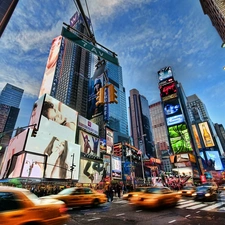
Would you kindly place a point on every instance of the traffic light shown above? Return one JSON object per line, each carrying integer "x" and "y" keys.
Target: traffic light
{"x": 112, "y": 94}
{"x": 34, "y": 132}
{"x": 100, "y": 96}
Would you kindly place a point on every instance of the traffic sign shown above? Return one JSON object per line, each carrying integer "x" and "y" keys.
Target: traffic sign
{"x": 88, "y": 46}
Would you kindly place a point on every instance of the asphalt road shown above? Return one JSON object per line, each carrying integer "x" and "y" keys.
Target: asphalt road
{"x": 187, "y": 212}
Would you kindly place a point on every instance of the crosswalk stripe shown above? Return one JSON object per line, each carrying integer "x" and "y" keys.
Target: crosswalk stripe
{"x": 212, "y": 206}
{"x": 181, "y": 202}
{"x": 186, "y": 205}
{"x": 197, "y": 206}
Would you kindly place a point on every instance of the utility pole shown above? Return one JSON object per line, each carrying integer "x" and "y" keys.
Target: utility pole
{"x": 72, "y": 167}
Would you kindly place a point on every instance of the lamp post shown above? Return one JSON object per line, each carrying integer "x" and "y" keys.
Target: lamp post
{"x": 142, "y": 150}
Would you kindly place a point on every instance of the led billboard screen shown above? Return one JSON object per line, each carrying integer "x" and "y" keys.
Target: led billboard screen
{"x": 206, "y": 134}
{"x": 179, "y": 139}
{"x": 89, "y": 143}
{"x": 107, "y": 167}
{"x": 213, "y": 161}
{"x": 196, "y": 136}
{"x": 116, "y": 167}
{"x": 109, "y": 141}
{"x": 46, "y": 85}
{"x": 90, "y": 171}
{"x": 168, "y": 89}
{"x": 58, "y": 119}
{"x": 173, "y": 113}
{"x": 59, "y": 154}
{"x": 165, "y": 73}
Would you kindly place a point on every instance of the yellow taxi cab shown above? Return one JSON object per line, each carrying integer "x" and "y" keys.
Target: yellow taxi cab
{"x": 154, "y": 197}
{"x": 187, "y": 191}
{"x": 80, "y": 196}
{"x": 19, "y": 206}
{"x": 136, "y": 191}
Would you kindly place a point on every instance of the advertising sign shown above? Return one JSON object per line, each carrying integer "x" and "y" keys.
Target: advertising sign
{"x": 179, "y": 139}
{"x": 90, "y": 171}
{"x": 58, "y": 119}
{"x": 59, "y": 154}
{"x": 89, "y": 144}
{"x": 107, "y": 167}
{"x": 206, "y": 134}
{"x": 165, "y": 73}
{"x": 116, "y": 167}
{"x": 213, "y": 161}
{"x": 50, "y": 67}
{"x": 173, "y": 113}
{"x": 109, "y": 141}
{"x": 196, "y": 136}
{"x": 87, "y": 125}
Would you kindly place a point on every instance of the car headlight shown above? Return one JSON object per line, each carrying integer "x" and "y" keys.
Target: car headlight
{"x": 207, "y": 194}
{"x": 179, "y": 192}
{"x": 125, "y": 195}
{"x": 194, "y": 194}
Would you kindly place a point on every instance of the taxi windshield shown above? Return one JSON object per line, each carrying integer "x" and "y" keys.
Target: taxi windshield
{"x": 66, "y": 191}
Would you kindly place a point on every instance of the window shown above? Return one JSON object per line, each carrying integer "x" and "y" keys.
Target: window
{"x": 8, "y": 202}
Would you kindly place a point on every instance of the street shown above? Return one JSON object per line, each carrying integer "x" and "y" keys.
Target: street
{"x": 120, "y": 211}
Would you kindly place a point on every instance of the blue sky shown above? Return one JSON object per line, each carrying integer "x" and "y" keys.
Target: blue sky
{"x": 147, "y": 35}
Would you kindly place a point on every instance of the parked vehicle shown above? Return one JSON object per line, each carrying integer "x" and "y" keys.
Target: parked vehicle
{"x": 19, "y": 206}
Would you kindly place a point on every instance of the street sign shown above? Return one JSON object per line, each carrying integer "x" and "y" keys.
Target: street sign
{"x": 88, "y": 46}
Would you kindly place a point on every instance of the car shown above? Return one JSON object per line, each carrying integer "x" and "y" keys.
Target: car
{"x": 155, "y": 197}
{"x": 187, "y": 191}
{"x": 80, "y": 196}
{"x": 221, "y": 187}
{"x": 213, "y": 185}
{"x": 205, "y": 193}
{"x": 136, "y": 191}
{"x": 19, "y": 206}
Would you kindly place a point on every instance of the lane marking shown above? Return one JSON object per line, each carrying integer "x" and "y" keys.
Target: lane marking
{"x": 96, "y": 218}
{"x": 138, "y": 211}
{"x": 172, "y": 221}
{"x": 187, "y": 216}
{"x": 213, "y": 206}
{"x": 121, "y": 214}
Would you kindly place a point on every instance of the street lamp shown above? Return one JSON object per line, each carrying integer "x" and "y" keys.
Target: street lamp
{"x": 142, "y": 150}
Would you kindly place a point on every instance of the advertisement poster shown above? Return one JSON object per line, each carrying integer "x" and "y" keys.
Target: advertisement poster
{"x": 109, "y": 141}
{"x": 179, "y": 139}
{"x": 89, "y": 143}
{"x": 59, "y": 154}
{"x": 206, "y": 134}
{"x": 90, "y": 171}
{"x": 116, "y": 168}
{"x": 107, "y": 167}
{"x": 165, "y": 73}
{"x": 58, "y": 119}
{"x": 196, "y": 136}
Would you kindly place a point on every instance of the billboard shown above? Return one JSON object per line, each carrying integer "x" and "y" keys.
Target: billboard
{"x": 87, "y": 125}
{"x": 165, "y": 73}
{"x": 109, "y": 140}
{"x": 173, "y": 113}
{"x": 168, "y": 91}
{"x": 59, "y": 154}
{"x": 116, "y": 167}
{"x": 213, "y": 161}
{"x": 50, "y": 66}
{"x": 89, "y": 143}
{"x": 196, "y": 136}
{"x": 107, "y": 167}
{"x": 179, "y": 139}
{"x": 57, "y": 118}
{"x": 16, "y": 145}
{"x": 90, "y": 171}
{"x": 206, "y": 134}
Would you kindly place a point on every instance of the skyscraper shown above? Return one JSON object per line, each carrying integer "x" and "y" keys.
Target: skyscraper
{"x": 215, "y": 9}
{"x": 10, "y": 99}
{"x": 140, "y": 123}
{"x": 68, "y": 71}
{"x": 6, "y": 10}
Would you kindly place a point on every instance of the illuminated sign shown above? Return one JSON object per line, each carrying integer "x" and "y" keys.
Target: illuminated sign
{"x": 116, "y": 167}
{"x": 196, "y": 136}
{"x": 165, "y": 73}
{"x": 213, "y": 161}
{"x": 206, "y": 134}
{"x": 109, "y": 141}
{"x": 88, "y": 125}
{"x": 179, "y": 139}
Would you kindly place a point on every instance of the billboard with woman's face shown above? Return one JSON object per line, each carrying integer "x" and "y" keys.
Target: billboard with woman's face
{"x": 59, "y": 152}
{"x": 90, "y": 171}
{"x": 58, "y": 119}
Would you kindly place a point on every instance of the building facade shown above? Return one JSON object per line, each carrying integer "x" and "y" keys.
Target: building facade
{"x": 6, "y": 10}
{"x": 215, "y": 9}
{"x": 140, "y": 124}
